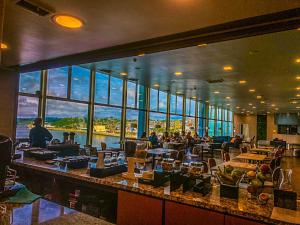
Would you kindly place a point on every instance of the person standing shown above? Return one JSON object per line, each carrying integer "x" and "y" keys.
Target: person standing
{"x": 39, "y": 135}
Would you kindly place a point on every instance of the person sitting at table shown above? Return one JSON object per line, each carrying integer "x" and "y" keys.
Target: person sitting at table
{"x": 144, "y": 136}
{"x": 153, "y": 140}
{"x": 189, "y": 140}
{"x": 206, "y": 137}
{"x": 39, "y": 135}
{"x": 165, "y": 137}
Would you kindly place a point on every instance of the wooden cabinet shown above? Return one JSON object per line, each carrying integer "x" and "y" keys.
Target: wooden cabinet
{"x": 178, "y": 214}
{"x": 233, "y": 220}
{"x": 135, "y": 209}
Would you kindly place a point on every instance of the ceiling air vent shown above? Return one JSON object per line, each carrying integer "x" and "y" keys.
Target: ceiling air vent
{"x": 215, "y": 81}
{"x": 33, "y": 7}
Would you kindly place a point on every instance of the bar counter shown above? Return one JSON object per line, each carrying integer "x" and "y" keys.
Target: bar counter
{"x": 43, "y": 212}
{"x": 227, "y": 211}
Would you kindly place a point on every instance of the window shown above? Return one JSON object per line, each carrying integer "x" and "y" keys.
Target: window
{"x": 58, "y": 82}
{"x": 141, "y": 97}
{"x": 225, "y": 128}
{"x": 173, "y": 104}
{"x": 187, "y": 107}
{"x": 190, "y": 124}
{"x": 193, "y": 108}
{"x": 27, "y": 112}
{"x": 201, "y": 110}
{"x": 211, "y": 112}
{"x": 211, "y": 127}
{"x": 157, "y": 122}
{"x": 201, "y": 126}
{"x": 175, "y": 123}
{"x": 30, "y": 82}
{"x": 219, "y": 128}
{"x": 163, "y": 101}
{"x": 101, "y": 88}
{"x": 219, "y": 114}
{"x": 64, "y": 116}
{"x": 80, "y": 87}
{"x": 230, "y": 115}
{"x": 132, "y": 122}
{"x": 230, "y": 129}
{"x": 131, "y": 94}
{"x": 179, "y": 105}
{"x": 107, "y": 126}
{"x": 116, "y": 91}
{"x": 153, "y": 99}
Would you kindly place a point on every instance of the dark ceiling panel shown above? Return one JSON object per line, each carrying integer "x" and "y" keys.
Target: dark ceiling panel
{"x": 110, "y": 23}
{"x": 266, "y": 62}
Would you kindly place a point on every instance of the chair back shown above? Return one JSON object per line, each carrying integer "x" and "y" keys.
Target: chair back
{"x": 130, "y": 148}
{"x": 273, "y": 164}
{"x": 211, "y": 163}
{"x": 180, "y": 155}
{"x": 174, "y": 154}
{"x": 205, "y": 167}
{"x": 275, "y": 177}
{"x": 243, "y": 149}
{"x": 196, "y": 150}
{"x": 226, "y": 157}
{"x": 103, "y": 146}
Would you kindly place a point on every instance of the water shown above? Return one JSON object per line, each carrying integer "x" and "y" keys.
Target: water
{"x": 111, "y": 141}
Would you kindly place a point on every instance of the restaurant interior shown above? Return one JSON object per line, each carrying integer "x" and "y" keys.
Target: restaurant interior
{"x": 165, "y": 112}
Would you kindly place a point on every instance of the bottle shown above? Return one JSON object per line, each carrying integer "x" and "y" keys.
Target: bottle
{"x": 285, "y": 179}
{"x": 121, "y": 158}
{"x": 107, "y": 160}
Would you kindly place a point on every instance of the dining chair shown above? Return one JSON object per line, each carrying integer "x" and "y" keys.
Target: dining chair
{"x": 180, "y": 155}
{"x": 226, "y": 157}
{"x": 212, "y": 163}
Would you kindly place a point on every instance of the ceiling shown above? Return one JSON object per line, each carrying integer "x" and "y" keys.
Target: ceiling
{"x": 266, "y": 62}
{"x": 109, "y": 23}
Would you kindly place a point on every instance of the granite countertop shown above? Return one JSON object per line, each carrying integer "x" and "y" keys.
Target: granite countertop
{"x": 244, "y": 207}
{"x": 43, "y": 212}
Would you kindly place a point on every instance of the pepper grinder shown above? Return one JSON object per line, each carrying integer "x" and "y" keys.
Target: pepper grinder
{"x": 100, "y": 161}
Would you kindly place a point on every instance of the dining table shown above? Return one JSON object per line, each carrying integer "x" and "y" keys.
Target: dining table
{"x": 240, "y": 165}
{"x": 251, "y": 157}
{"x": 260, "y": 150}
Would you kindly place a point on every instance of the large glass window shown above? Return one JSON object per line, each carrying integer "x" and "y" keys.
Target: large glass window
{"x": 58, "y": 82}
{"x": 153, "y": 99}
{"x": 107, "y": 126}
{"x": 64, "y": 116}
{"x": 116, "y": 91}
{"x": 211, "y": 112}
{"x": 163, "y": 101}
{"x": 211, "y": 127}
{"x": 193, "y": 108}
{"x": 101, "y": 88}
{"x": 187, "y": 106}
{"x": 141, "y": 97}
{"x": 190, "y": 124}
{"x": 173, "y": 104}
{"x": 30, "y": 82}
{"x": 175, "y": 123}
{"x": 219, "y": 128}
{"x": 132, "y": 118}
{"x": 157, "y": 122}
{"x": 131, "y": 94}
{"x": 27, "y": 112}
{"x": 80, "y": 83}
{"x": 179, "y": 105}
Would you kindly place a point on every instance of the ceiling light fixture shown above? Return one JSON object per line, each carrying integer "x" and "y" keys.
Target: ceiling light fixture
{"x": 228, "y": 97}
{"x": 298, "y": 88}
{"x": 4, "y": 46}
{"x": 178, "y": 92}
{"x": 262, "y": 102}
{"x": 250, "y": 104}
{"x": 253, "y": 107}
{"x": 156, "y": 85}
{"x": 67, "y": 21}
{"x": 297, "y": 77}
{"x": 273, "y": 105}
{"x": 123, "y": 74}
{"x": 237, "y": 107}
{"x": 251, "y": 90}
{"x": 294, "y": 102}
{"x": 297, "y": 60}
{"x": 242, "y": 82}
{"x": 297, "y": 95}
{"x": 276, "y": 108}
{"x": 298, "y": 107}
{"x": 258, "y": 96}
{"x": 178, "y": 73}
{"x": 227, "y": 68}
{"x": 202, "y": 45}
{"x": 216, "y": 92}
{"x": 141, "y": 55}
{"x": 194, "y": 97}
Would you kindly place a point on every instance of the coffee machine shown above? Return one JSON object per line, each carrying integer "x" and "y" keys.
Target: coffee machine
{"x": 6, "y": 150}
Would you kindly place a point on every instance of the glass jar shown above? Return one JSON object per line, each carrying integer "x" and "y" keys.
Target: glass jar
{"x": 285, "y": 179}
{"x": 107, "y": 160}
{"x": 121, "y": 158}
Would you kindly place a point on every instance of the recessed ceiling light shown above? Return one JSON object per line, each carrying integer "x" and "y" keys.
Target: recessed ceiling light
{"x": 207, "y": 101}
{"x": 273, "y": 105}
{"x": 298, "y": 88}
{"x": 253, "y": 107}
{"x": 276, "y": 109}
{"x": 247, "y": 111}
{"x": 298, "y": 107}
{"x": 297, "y": 95}
{"x": 67, "y": 21}
{"x": 242, "y": 82}
{"x": 237, "y": 107}
{"x": 4, "y": 46}
{"x": 202, "y": 45}
{"x": 156, "y": 85}
{"x": 268, "y": 112}
{"x": 228, "y": 104}
{"x": 216, "y": 92}
{"x": 251, "y": 90}
{"x": 250, "y": 104}
{"x": 141, "y": 55}
{"x": 178, "y": 73}
{"x": 228, "y": 97}
{"x": 194, "y": 97}
{"x": 178, "y": 92}
{"x": 262, "y": 102}
{"x": 294, "y": 102}
{"x": 258, "y": 96}
{"x": 297, "y": 77}
{"x": 297, "y": 60}
{"x": 242, "y": 112}
{"x": 123, "y": 74}
{"x": 227, "y": 68}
